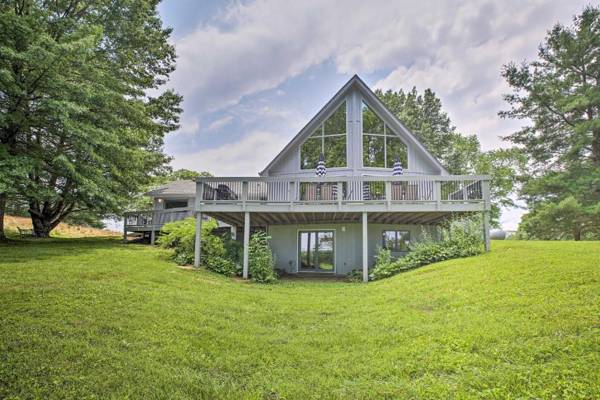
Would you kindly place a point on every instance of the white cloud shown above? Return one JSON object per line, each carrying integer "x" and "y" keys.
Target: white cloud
{"x": 245, "y": 157}
{"x": 220, "y": 123}
{"x": 455, "y": 47}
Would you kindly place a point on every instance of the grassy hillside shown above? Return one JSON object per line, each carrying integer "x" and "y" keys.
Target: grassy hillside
{"x": 96, "y": 318}
{"x": 62, "y": 230}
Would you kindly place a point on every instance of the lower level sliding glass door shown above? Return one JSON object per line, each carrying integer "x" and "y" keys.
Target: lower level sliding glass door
{"x": 316, "y": 251}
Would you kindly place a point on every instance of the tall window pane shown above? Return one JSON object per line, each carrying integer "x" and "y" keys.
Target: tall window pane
{"x": 371, "y": 121}
{"x": 336, "y": 124}
{"x": 309, "y": 153}
{"x": 335, "y": 151}
{"x": 381, "y": 146}
{"x": 326, "y": 251}
{"x": 373, "y": 151}
{"x": 395, "y": 149}
{"x": 330, "y": 139}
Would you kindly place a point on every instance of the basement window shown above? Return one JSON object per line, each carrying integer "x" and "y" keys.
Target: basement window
{"x": 396, "y": 241}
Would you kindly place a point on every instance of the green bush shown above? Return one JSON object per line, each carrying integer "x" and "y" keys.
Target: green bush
{"x": 459, "y": 238}
{"x": 355, "y": 275}
{"x": 261, "y": 262}
{"x": 180, "y": 236}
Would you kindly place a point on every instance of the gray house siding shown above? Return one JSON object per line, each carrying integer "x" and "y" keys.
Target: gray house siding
{"x": 347, "y": 247}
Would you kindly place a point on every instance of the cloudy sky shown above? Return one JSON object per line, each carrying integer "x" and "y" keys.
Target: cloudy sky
{"x": 252, "y": 73}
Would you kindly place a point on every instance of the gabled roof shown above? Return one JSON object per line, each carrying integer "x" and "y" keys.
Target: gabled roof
{"x": 355, "y": 83}
{"x": 175, "y": 188}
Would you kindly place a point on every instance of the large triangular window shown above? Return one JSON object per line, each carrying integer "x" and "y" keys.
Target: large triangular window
{"x": 381, "y": 146}
{"x": 329, "y": 139}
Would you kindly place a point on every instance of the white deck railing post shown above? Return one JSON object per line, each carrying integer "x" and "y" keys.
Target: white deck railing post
{"x": 487, "y": 205}
{"x": 153, "y": 227}
{"x": 244, "y": 193}
{"x": 246, "y": 244}
{"x": 486, "y": 230}
{"x": 198, "y": 240}
{"x": 388, "y": 194}
{"x": 125, "y": 228}
{"x": 365, "y": 248}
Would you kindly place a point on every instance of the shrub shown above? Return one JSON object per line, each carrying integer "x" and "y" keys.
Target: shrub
{"x": 459, "y": 238}
{"x": 383, "y": 257}
{"x": 261, "y": 263}
{"x": 180, "y": 236}
{"x": 355, "y": 275}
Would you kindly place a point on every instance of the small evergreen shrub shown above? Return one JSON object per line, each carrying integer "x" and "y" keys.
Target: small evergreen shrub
{"x": 261, "y": 263}
{"x": 460, "y": 238}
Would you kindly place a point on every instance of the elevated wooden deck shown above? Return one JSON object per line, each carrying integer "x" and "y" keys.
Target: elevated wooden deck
{"x": 340, "y": 197}
{"x": 150, "y": 221}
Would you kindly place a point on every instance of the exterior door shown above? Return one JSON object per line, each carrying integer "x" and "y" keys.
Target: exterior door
{"x": 316, "y": 251}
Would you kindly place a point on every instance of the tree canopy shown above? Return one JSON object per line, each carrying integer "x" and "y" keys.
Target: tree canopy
{"x": 558, "y": 95}
{"x": 83, "y": 112}
{"x": 423, "y": 114}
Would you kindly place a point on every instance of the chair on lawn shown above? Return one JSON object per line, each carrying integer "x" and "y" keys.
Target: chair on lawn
{"x": 25, "y": 232}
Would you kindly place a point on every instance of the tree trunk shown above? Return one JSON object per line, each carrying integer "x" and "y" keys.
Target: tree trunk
{"x": 41, "y": 226}
{"x": 596, "y": 147}
{"x": 577, "y": 233}
{"x": 2, "y": 207}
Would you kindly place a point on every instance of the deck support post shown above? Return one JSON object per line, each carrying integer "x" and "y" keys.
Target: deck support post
{"x": 152, "y": 235}
{"x": 198, "y": 241}
{"x": 233, "y": 230}
{"x": 246, "y": 244}
{"x": 486, "y": 230}
{"x": 125, "y": 229}
{"x": 365, "y": 248}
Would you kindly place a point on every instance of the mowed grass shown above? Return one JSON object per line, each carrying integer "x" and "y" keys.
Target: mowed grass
{"x": 99, "y": 319}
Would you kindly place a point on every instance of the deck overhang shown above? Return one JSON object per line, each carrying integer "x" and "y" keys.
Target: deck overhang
{"x": 261, "y": 218}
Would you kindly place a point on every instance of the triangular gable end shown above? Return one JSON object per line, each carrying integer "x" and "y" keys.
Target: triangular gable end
{"x": 376, "y": 105}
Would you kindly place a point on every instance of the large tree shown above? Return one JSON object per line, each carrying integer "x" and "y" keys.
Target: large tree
{"x": 82, "y": 104}
{"x": 460, "y": 154}
{"x": 558, "y": 94}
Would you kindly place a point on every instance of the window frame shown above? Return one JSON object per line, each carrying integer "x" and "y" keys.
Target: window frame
{"x": 396, "y": 249}
{"x": 322, "y": 136}
{"x": 383, "y": 135}
{"x": 299, "y": 232}
{"x": 166, "y": 201}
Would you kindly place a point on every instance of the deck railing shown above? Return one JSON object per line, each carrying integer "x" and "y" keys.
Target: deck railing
{"x": 356, "y": 189}
{"x": 155, "y": 218}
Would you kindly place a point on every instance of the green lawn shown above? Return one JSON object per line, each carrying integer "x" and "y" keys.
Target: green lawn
{"x": 96, "y": 318}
